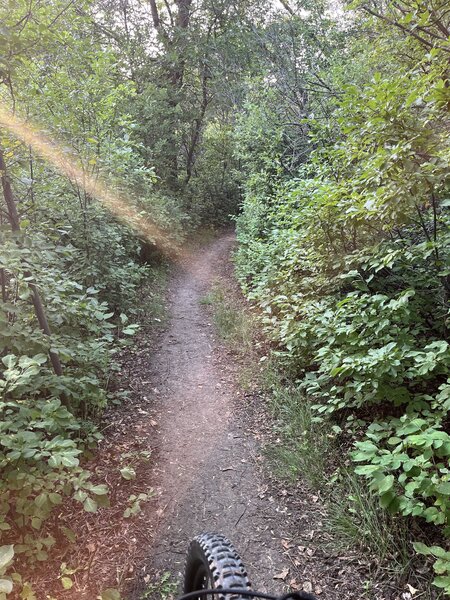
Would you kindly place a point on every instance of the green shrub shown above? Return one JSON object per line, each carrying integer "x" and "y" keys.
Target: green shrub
{"x": 350, "y": 263}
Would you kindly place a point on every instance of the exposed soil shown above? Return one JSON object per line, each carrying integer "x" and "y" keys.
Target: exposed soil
{"x": 208, "y": 466}
{"x": 205, "y": 469}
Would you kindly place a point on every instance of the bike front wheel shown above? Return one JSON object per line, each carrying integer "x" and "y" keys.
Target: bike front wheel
{"x": 213, "y": 563}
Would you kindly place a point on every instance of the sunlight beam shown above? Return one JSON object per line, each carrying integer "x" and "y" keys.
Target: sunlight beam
{"x": 65, "y": 162}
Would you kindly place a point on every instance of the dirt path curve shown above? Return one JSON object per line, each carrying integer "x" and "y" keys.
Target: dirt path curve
{"x": 206, "y": 474}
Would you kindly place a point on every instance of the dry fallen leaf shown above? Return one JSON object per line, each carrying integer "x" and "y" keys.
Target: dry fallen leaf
{"x": 411, "y": 589}
{"x": 294, "y": 585}
{"x": 307, "y": 587}
{"x": 284, "y": 573}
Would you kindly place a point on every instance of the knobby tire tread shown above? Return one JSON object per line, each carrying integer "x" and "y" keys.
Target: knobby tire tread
{"x": 213, "y": 556}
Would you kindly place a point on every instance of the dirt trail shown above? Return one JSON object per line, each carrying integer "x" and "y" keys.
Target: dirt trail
{"x": 205, "y": 466}
{"x": 207, "y": 479}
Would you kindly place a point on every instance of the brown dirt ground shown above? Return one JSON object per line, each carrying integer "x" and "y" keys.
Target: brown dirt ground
{"x": 204, "y": 474}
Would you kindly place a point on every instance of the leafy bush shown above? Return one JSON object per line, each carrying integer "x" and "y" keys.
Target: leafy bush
{"x": 349, "y": 262}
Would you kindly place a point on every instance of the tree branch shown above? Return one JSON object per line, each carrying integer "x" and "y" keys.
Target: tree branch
{"x": 420, "y": 39}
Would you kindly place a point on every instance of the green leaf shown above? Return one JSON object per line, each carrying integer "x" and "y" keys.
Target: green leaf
{"x": 55, "y": 498}
{"x": 67, "y": 583}
{"x": 128, "y": 473}
{"x": 110, "y": 594}
{"x": 6, "y": 555}
{"x": 90, "y": 505}
{"x": 444, "y": 488}
{"x": 70, "y": 535}
{"x": 41, "y": 500}
{"x": 439, "y": 552}
{"x": 421, "y": 548}
{"x": 443, "y": 582}
{"x": 6, "y": 586}
{"x": 41, "y": 555}
{"x": 102, "y": 501}
{"x": 367, "y": 469}
{"x": 9, "y": 361}
{"x": 130, "y": 329}
{"x": 389, "y": 501}
{"x": 80, "y": 495}
{"x": 386, "y": 484}
{"x": 394, "y": 441}
{"x": 27, "y": 592}
{"x": 69, "y": 461}
{"x": 99, "y": 490}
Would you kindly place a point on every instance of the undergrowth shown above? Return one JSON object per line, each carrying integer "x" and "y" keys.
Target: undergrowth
{"x": 308, "y": 449}
{"x": 152, "y": 305}
{"x": 356, "y": 520}
{"x": 347, "y": 258}
{"x": 232, "y": 323}
{"x": 238, "y": 329}
{"x": 303, "y": 446}
{"x": 164, "y": 588}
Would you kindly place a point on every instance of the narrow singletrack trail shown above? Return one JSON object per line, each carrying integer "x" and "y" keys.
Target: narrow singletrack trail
{"x": 206, "y": 472}
{"x": 205, "y": 467}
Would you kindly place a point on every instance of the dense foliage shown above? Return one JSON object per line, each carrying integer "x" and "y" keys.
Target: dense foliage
{"x": 69, "y": 269}
{"x": 348, "y": 255}
{"x": 126, "y": 125}
{"x": 115, "y": 143}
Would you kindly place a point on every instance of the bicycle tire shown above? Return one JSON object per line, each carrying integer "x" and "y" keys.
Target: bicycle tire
{"x": 213, "y": 563}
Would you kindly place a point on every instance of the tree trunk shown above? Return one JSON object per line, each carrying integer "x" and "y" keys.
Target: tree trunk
{"x": 175, "y": 72}
{"x": 190, "y": 160}
{"x": 11, "y": 207}
{"x": 13, "y": 217}
{"x": 3, "y": 284}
